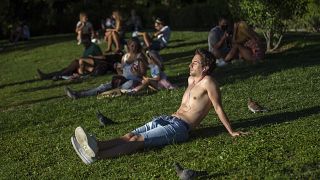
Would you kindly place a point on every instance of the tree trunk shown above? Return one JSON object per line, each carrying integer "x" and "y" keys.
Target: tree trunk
{"x": 269, "y": 37}
{"x": 266, "y": 35}
{"x": 277, "y": 45}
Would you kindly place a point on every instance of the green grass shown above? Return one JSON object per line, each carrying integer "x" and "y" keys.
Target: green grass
{"x": 37, "y": 120}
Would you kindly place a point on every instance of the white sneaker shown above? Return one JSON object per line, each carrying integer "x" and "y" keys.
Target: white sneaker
{"x": 128, "y": 91}
{"x": 79, "y": 42}
{"x": 80, "y": 152}
{"x": 220, "y": 62}
{"x": 135, "y": 34}
{"x": 94, "y": 40}
{"x": 87, "y": 143}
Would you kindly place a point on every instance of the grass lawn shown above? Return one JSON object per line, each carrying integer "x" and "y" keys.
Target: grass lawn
{"x": 37, "y": 120}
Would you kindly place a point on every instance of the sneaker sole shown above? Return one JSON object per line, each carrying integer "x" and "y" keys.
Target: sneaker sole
{"x": 81, "y": 137}
{"x": 75, "y": 147}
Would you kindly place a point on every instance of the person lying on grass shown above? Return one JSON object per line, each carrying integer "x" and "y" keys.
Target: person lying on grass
{"x": 131, "y": 70}
{"x": 78, "y": 66}
{"x": 200, "y": 96}
{"x": 92, "y": 62}
{"x": 158, "y": 79}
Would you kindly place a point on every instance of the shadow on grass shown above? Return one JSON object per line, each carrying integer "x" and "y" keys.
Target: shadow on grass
{"x": 19, "y": 83}
{"x": 304, "y": 55}
{"x": 49, "y": 86}
{"x": 186, "y": 44}
{"x": 30, "y": 102}
{"x": 257, "y": 122}
{"x": 296, "y": 57}
{"x": 177, "y": 40}
{"x": 36, "y": 42}
{"x": 300, "y": 36}
{"x": 180, "y": 80}
{"x": 169, "y": 57}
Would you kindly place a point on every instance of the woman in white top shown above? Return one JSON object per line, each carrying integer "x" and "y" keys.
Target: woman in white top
{"x": 112, "y": 35}
{"x": 130, "y": 72}
{"x": 158, "y": 79}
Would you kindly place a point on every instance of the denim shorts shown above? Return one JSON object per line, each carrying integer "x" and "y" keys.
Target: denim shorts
{"x": 163, "y": 130}
{"x": 157, "y": 45}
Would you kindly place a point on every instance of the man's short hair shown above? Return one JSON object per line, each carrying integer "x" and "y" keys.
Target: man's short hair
{"x": 82, "y": 14}
{"x": 159, "y": 20}
{"x": 221, "y": 18}
{"x": 207, "y": 59}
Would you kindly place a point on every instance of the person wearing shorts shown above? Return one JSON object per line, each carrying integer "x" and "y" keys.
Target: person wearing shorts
{"x": 162, "y": 36}
{"x": 163, "y": 130}
{"x": 201, "y": 95}
{"x": 246, "y": 43}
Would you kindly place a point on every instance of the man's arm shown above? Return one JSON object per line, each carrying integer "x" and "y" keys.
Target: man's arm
{"x": 221, "y": 41}
{"x": 79, "y": 26}
{"x": 215, "y": 97}
{"x": 100, "y": 57}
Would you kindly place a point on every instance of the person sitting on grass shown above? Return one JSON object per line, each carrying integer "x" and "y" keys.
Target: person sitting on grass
{"x": 246, "y": 43}
{"x": 78, "y": 66}
{"x": 200, "y": 96}
{"x": 217, "y": 41}
{"x": 132, "y": 68}
{"x": 158, "y": 79}
{"x": 114, "y": 35}
{"x": 84, "y": 27}
{"x": 162, "y": 36}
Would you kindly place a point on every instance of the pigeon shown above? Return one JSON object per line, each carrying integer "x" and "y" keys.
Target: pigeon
{"x": 104, "y": 120}
{"x": 188, "y": 174}
{"x": 255, "y": 107}
{"x": 71, "y": 94}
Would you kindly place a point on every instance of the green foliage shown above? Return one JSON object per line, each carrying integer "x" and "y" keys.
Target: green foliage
{"x": 269, "y": 15}
{"x": 56, "y": 16}
{"x": 197, "y": 16}
{"x": 311, "y": 20}
{"x": 37, "y": 119}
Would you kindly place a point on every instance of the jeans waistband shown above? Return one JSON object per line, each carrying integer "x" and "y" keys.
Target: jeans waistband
{"x": 183, "y": 122}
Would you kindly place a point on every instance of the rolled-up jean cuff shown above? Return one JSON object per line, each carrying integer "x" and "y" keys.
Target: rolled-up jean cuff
{"x": 163, "y": 130}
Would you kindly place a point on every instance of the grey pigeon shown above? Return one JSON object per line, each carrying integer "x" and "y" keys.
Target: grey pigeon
{"x": 71, "y": 94}
{"x": 188, "y": 174}
{"x": 255, "y": 107}
{"x": 104, "y": 120}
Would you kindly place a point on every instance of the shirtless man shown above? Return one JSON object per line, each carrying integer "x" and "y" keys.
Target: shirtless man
{"x": 202, "y": 94}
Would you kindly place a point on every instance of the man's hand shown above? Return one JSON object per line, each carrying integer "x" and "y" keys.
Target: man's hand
{"x": 225, "y": 35}
{"x": 145, "y": 78}
{"x": 238, "y": 133}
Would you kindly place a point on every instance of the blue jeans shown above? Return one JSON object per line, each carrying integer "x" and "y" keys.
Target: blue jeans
{"x": 163, "y": 130}
{"x": 95, "y": 91}
{"x": 103, "y": 88}
{"x": 157, "y": 45}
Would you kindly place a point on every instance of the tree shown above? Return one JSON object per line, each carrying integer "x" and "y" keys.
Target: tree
{"x": 269, "y": 15}
{"x": 312, "y": 17}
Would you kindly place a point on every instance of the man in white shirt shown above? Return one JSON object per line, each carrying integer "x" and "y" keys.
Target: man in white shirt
{"x": 162, "y": 36}
{"x": 83, "y": 27}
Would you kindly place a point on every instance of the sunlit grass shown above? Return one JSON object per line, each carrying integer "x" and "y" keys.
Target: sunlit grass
{"x": 37, "y": 120}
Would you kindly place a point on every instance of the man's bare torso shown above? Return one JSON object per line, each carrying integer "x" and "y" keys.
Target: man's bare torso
{"x": 195, "y": 103}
